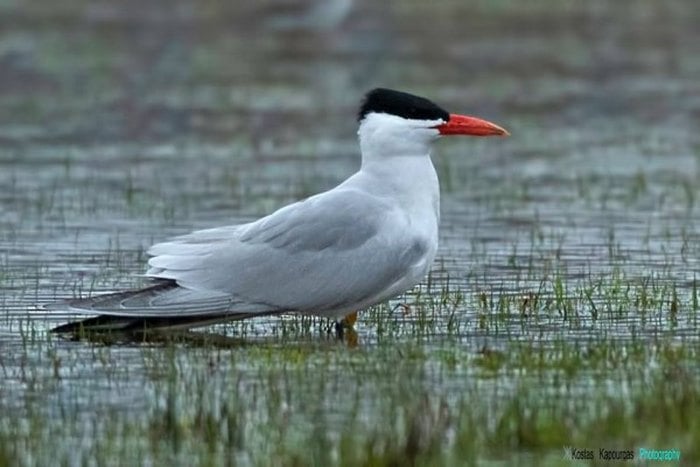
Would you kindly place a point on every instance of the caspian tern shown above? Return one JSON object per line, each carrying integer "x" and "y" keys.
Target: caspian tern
{"x": 367, "y": 240}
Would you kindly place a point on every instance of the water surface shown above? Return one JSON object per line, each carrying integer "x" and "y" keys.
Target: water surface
{"x": 123, "y": 126}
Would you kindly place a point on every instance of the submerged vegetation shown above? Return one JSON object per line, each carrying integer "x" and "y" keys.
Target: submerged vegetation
{"x": 562, "y": 310}
{"x": 514, "y": 378}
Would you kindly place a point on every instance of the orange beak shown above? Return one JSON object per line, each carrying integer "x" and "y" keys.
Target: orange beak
{"x": 463, "y": 125}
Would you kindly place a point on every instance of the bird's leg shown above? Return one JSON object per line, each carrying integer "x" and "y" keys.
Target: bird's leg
{"x": 339, "y": 330}
{"x": 346, "y": 323}
{"x": 349, "y": 320}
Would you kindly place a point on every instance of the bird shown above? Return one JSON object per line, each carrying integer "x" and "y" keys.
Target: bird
{"x": 368, "y": 239}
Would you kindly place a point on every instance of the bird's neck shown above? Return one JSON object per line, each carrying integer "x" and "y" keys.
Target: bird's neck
{"x": 401, "y": 164}
{"x": 396, "y": 164}
{"x": 379, "y": 150}
{"x": 410, "y": 181}
{"x": 408, "y": 171}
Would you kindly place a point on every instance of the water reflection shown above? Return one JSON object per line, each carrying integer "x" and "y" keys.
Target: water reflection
{"x": 122, "y": 126}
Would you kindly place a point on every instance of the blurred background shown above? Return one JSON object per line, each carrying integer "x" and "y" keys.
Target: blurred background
{"x": 171, "y": 97}
{"x": 135, "y": 121}
{"x": 124, "y": 123}
{"x": 206, "y": 111}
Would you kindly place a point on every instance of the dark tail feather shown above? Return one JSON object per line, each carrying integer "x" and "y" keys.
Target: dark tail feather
{"x": 109, "y": 323}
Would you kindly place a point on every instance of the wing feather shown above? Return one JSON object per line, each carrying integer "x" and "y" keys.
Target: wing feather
{"x": 165, "y": 299}
{"x": 329, "y": 251}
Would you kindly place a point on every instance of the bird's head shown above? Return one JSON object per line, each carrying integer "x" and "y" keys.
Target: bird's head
{"x": 398, "y": 123}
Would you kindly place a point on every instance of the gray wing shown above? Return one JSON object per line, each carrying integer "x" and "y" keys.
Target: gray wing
{"x": 162, "y": 299}
{"x": 327, "y": 252}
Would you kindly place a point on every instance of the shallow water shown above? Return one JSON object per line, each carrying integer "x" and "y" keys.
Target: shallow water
{"x": 120, "y": 127}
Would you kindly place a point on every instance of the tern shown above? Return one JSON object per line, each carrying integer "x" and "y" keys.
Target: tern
{"x": 371, "y": 238}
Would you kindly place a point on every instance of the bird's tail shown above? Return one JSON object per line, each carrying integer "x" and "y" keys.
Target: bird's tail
{"x": 110, "y": 323}
{"x": 162, "y": 306}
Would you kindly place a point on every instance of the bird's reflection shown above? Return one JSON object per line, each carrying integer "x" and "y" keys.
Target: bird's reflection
{"x": 337, "y": 336}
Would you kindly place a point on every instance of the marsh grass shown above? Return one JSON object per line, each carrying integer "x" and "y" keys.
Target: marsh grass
{"x": 509, "y": 373}
{"x": 208, "y": 405}
{"x": 562, "y": 309}
{"x": 458, "y": 371}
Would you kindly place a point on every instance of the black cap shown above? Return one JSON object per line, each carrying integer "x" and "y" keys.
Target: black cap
{"x": 401, "y": 104}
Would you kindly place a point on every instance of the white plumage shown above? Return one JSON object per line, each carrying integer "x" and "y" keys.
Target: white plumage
{"x": 370, "y": 238}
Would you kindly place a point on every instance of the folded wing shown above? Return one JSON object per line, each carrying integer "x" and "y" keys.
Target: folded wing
{"x": 327, "y": 252}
